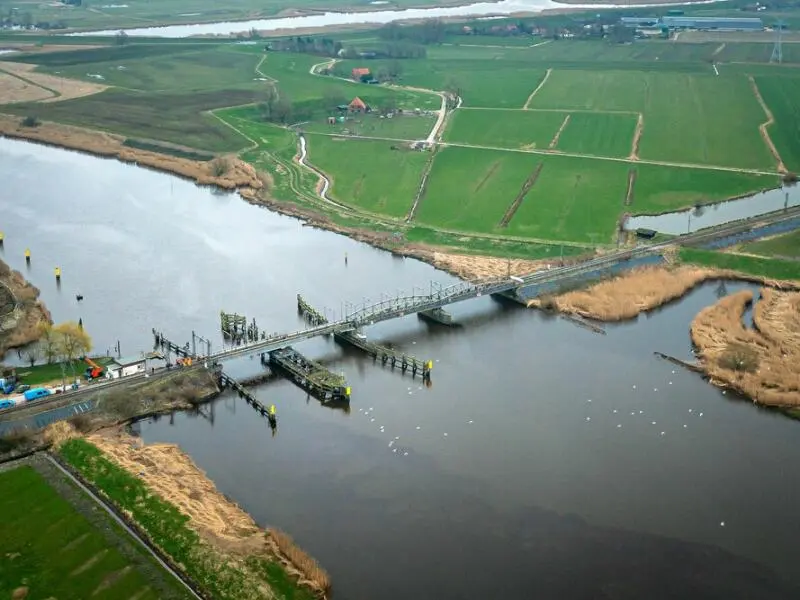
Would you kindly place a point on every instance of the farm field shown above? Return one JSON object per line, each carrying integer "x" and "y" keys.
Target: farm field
{"x": 54, "y": 552}
{"x": 662, "y": 189}
{"x": 504, "y": 128}
{"x": 470, "y": 189}
{"x": 783, "y": 246}
{"x": 782, "y": 95}
{"x": 684, "y": 120}
{"x": 573, "y": 199}
{"x": 369, "y": 174}
{"x": 772, "y": 268}
{"x": 598, "y": 134}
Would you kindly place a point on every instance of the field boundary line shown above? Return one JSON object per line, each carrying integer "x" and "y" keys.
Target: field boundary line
{"x": 719, "y": 48}
{"x": 554, "y": 141}
{"x": 423, "y": 185}
{"x": 637, "y": 137}
{"x": 617, "y": 159}
{"x": 523, "y": 191}
{"x": 631, "y": 183}
{"x": 763, "y": 128}
{"x": 538, "y": 87}
{"x": 561, "y": 110}
{"x": 54, "y": 93}
{"x": 253, "y": 143}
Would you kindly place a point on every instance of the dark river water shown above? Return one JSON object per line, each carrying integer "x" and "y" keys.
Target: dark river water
{"x": 545, "y": 461}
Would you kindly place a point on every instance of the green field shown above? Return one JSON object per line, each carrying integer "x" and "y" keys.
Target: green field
{"x": 376, "y": 176}
{"x": 504, "y": 128}
{"x": 575, "y": 199}
{"x": 782, "y": 95}
{"x": 685, "y": 122}
{"x": 55, "y": 552}
{"x": 771, "y": 268}
{"x": 470, "y": 189}
{"x": 598, "y": 134}
{"x": 48, "y": 373}
{"x": 782, "y": 246}
{"x": 661, "y": 189}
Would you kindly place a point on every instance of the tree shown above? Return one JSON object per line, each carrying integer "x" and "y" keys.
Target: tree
{"x": 121, "y": 38}
{"x": 33, "y": 352}
{"x": 72, "y": 340}
{"x": 333, "y": 97}
{"x": 282, "y": 111}
{"x": 267, "y": 105}
{"x": 48, "y": 342}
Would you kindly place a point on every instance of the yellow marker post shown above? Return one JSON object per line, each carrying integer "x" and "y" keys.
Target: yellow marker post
{"x": 58, "y": 273}
{"x": 272, "y": 409}
{"x": 2, "y": 237}
{"x": 347, "y": 391}
{"x": 27, "y": 255}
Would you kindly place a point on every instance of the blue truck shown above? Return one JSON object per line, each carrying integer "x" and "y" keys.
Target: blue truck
{"x": 36, "y": 393}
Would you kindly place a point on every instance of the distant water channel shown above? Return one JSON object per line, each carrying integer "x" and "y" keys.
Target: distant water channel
{"x": 545, "y": 461}
{"x": 711, "y": 215}
{"x": 378, "y": 17}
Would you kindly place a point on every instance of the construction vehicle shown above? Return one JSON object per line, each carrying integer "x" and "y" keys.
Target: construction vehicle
{"x": 94, "y": 370}
{"x": 184, "y": 362}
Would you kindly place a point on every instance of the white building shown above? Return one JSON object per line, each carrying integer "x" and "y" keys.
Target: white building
{"x": 122, "y": 367}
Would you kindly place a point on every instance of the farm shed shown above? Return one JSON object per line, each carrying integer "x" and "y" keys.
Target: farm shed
{"x": 717, "y": 23}
{"x": 122, "y": 367}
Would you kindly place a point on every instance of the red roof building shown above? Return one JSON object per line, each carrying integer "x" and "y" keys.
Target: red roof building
{"x": 359, "y": 72}
{"x": 357, "y": 105}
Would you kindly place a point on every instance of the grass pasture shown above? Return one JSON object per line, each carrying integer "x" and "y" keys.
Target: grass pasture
{"x": 55, "y": 552}
{"x": 470, "y": 189}
{"x": 504, "y": 128}
{"x": 782, "y": 95}
{"x": 369, "y": 174}
{"x": 689, "y": 118}
{"x": 576, "y": 199}
{"x": 781, "y": 246}
{"x": 772, "y": 268}
{"x": 400, "y": 127}
{"x": 661, "y": 189}
{"x": 598, "y": 134}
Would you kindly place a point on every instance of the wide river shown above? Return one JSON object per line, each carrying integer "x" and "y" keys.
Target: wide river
{"x": 545, "y": 461}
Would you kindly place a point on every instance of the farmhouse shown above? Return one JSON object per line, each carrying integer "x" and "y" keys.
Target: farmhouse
{"x": 359, "y": 72}
{"x": 357, "y": 105}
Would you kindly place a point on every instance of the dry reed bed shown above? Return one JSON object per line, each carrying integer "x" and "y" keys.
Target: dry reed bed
{"x": 628, "y": 295}
{"x": 762, "y": 363}
{"x": 67, "y": 89}
{"x": 33, "y": 311}
{"x": 171, "y": 474}
{"x": 474, "y": 267}
{"x": 238, "y": 175}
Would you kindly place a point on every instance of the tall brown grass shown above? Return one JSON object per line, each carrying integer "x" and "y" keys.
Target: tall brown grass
{"x": 300, "y": 560}
{"x": 759, "y": 362}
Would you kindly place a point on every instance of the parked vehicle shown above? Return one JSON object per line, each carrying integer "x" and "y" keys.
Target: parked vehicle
{"x": 94, "y": 371}
{"x": 36, "y": 393}
{"x": 7, "y": 384}
{"x": 7, "y": 404}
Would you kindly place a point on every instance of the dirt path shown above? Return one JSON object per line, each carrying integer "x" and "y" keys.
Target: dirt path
{"x": 538, "y": 87}
{"x": 521, "y": 196}
{"x": 631, "y": 186}
{"x": 554, "y": 141}
{"x": 763, "y": 127}
{"x": 719, "y": 49}
{"x": 637, "y": 135}
{"x": 314, "y": 70}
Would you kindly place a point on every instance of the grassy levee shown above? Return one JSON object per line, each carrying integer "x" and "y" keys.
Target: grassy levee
{"x": 782, "y": 95}
{"x": 660, "y": 189}
{"x": 503, "y": 129}
{"x": 485, "y": 246}
{"x": 89, "y": 56}
{"x": 215, "y": 573}
{"x": 598, "y": 134}
{"x": 771, "y": 268}
{"x": 786, "y": 245}
{"x": 50, "y": 550}
{"x": 377, "y": 176}
{"x": 684, "y": 120}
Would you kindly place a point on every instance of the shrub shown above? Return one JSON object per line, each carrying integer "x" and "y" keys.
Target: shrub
{"x": 30, "y": 121}
{"x": 220, "y": 166}
{"x": 738, "y": 357}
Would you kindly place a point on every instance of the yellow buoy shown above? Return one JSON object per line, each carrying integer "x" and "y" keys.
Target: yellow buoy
{"x": 27, "y": 255}
{"x": 58, "y": 272}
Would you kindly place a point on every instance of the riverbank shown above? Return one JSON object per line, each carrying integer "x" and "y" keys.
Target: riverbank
{"x": 226, "y": 172}
{"x": 759, "y": 362}
{"x": 209, "y": 537}
{"x": 641, "y": 290}
{"x": 21, "y": 311}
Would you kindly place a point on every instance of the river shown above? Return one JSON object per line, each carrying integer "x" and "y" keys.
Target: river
{"x": 377, "y": 17}
{"x": 545, "y": 461}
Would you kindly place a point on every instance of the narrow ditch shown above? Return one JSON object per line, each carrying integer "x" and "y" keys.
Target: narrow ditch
{"x": 522, "y": 193}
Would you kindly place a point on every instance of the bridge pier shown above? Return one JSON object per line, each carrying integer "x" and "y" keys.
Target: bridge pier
{"x": 436, "y": 315}
{"x": 226, "y": 381}
{"x": 386, "y": 355}
{"x": 309, "y": 375}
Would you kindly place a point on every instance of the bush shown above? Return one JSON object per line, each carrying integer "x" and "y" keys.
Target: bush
{"x": 17, "y": 439}
{"x": 220, "y": 166}
{"x": 30, "y": 121}
{"x": 738, "y": 357}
